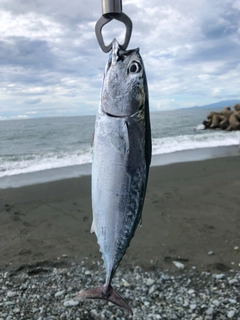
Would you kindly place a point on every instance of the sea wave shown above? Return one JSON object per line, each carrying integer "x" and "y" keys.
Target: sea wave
{"x": 19, "y": 164}
{"x": 13, "y": 165}
{"x": 195, "y": 141}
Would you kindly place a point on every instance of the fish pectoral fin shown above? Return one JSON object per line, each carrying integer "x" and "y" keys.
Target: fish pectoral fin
{"x": 99, "y": 293}
{"x": 118, "y": 142}
{"x": 119, "y": 139}
{"x": 93, "y": 227}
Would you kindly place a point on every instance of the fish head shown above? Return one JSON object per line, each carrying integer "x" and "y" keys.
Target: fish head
{"x": 124, "y": 87}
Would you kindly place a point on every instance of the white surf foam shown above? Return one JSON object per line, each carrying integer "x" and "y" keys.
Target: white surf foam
{"x": 37, "y": 162}
{"x": 200, "y": 127}
{"x": 196, "y": 141}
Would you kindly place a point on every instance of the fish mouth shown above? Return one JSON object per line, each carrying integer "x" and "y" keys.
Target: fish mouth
{"x": 119, "y": 54}
{"x": 125, "y": 115}
{"x": 117, "y": 116}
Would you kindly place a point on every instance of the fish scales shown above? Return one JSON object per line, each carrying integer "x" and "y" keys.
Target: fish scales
{"x": 121, "y": 159}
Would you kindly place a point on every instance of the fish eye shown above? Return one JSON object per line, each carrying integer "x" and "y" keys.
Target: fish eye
{"x": 134, "y": 67}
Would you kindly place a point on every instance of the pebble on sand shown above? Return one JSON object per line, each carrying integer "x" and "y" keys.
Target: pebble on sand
{"x": 179, "y": 265}
{"x": 11, "y": 294}
{"x": 150, "y": 282}
{"x": 231, "y": 314}
{"x": 211, "y": 253}
{"x": 71, "y": 303}
{"x": 184, "y": 295}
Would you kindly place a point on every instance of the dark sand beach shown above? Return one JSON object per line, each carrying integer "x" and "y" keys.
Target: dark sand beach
{"x": 191, "y": 208}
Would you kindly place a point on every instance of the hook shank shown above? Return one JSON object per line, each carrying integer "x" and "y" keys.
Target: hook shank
{"x": 111, "y": 6}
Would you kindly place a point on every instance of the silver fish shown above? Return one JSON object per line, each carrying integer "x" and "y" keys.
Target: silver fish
{"x": 121, "y": 159}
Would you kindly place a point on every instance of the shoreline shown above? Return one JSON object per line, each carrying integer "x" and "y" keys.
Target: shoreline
{"x": 191, "y": 209}
{"x": 76, "y": 171}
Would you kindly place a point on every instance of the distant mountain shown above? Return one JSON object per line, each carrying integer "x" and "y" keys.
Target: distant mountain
{"x": 220, "y": 104}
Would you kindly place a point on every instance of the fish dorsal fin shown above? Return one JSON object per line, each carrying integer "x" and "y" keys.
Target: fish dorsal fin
{"x": 93, "y": 227}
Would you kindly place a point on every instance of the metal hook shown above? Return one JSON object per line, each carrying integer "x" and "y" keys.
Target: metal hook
{"x": 112, "y": 9}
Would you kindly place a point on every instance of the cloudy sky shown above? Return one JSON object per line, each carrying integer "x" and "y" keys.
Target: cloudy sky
{"x": 51, "y": 64}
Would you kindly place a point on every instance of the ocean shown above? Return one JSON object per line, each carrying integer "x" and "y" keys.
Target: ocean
{"x": 36, "y": 145}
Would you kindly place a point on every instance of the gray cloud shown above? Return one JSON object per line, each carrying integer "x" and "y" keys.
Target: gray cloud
{"x": 66, "y": 12}
{"x": 32, "y": 101}
{"x": 27, "y": 53}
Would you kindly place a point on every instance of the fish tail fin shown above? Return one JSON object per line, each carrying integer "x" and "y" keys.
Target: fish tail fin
{"x": 101, "y": 293}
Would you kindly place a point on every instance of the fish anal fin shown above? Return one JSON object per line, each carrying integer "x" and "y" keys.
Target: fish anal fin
{"x": 140, "y": 221}
{"x": 99, "y": 293}
{"x": 93, "y": 227}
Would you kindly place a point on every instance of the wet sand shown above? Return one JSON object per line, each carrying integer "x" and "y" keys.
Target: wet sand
{"x": 191, "y": 208}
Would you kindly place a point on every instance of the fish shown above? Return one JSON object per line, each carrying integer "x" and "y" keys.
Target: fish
{"x": 122, "y": 151}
